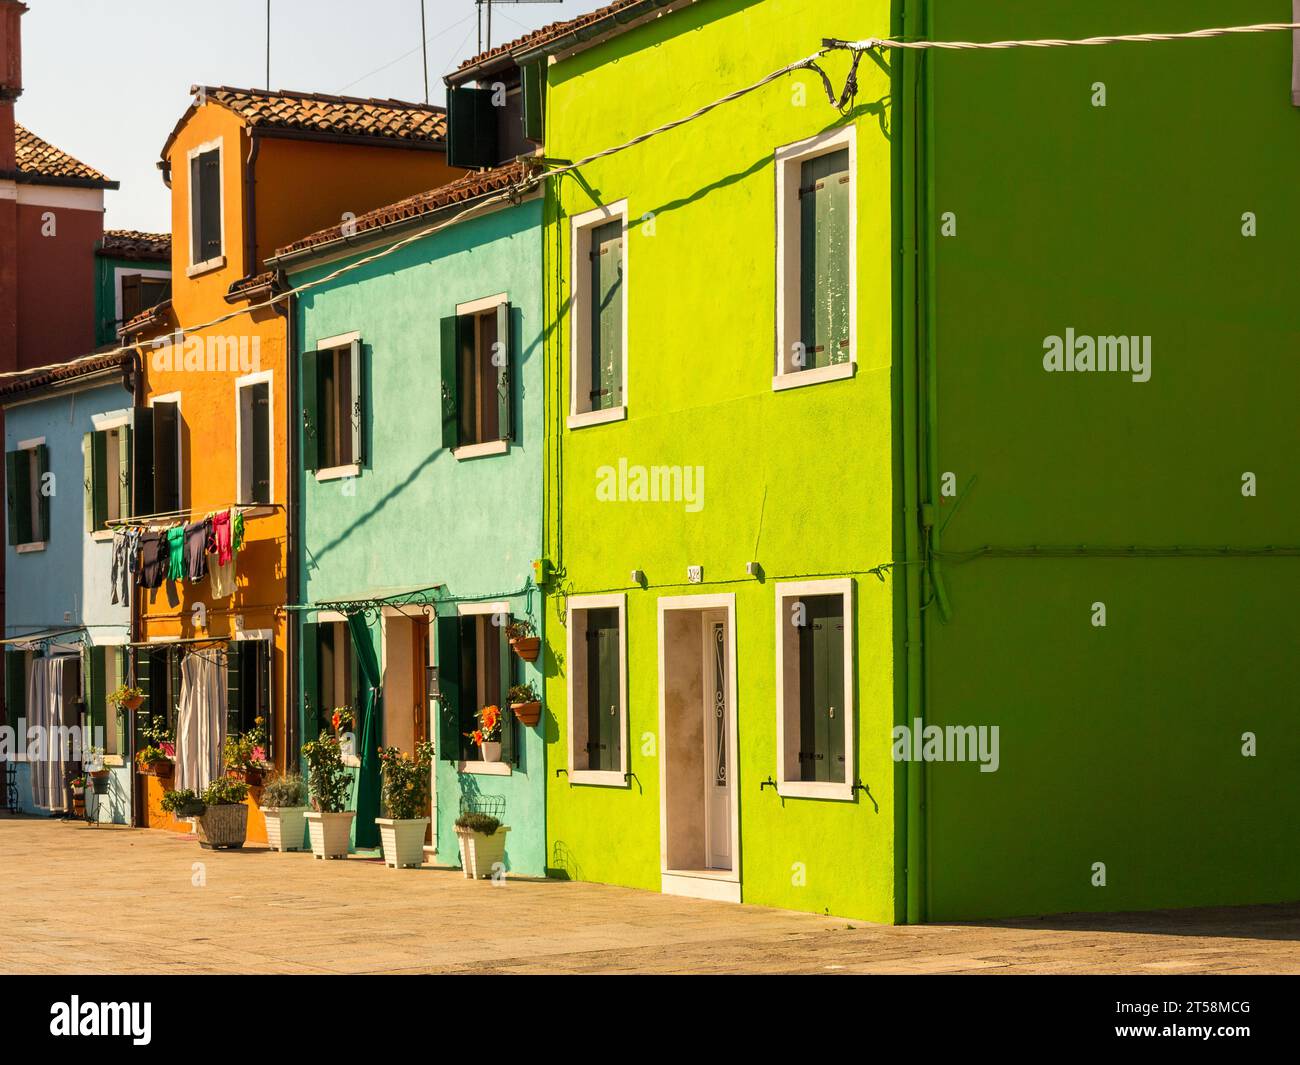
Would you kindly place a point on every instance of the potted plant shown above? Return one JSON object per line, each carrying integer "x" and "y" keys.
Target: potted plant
{"x": 156, "y": 757}
{"x": 328, "y": 824}
{"x": 284, "y": 802}
{"x": 223, "y": 824}
{"x": 77, "y": 785}
{"x": 482, "y": 840}
{"x": 522, "y": 641}
{"x": 525, "y": 704}
{"x": 487, "y": 737}
{"x": 96, "y": 770}
{"x": 128, "y": 696}
{"x": 405, "y": 792}
{"x": 182, "y": 804}
{"x": 245, "y": 755}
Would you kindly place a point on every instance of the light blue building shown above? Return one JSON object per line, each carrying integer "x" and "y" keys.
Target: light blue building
{"x": 67, "y": 476}
{"x": 420, "y": 392}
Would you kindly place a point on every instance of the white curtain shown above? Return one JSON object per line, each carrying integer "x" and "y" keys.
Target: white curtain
{"x": 201, "y": 719}
{"x": 48, "y": 710}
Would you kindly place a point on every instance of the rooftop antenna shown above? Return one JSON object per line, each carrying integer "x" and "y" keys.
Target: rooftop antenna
{"x": 268, "y": 45}
{"x": 424, "y": 44}
{"x": 481, "y": 4}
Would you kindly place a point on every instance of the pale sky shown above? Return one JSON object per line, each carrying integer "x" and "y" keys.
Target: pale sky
{"x": 106, "y": 80}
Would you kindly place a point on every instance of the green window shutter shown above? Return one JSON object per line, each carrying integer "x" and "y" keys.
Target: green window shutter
{"x": 234, "y": 687}
{"x": 357, "y": 411}
{"x": 12, "y": 495}
{"x": 449, "y": 684}
{"x": 95, "y": 665}
{"x": 509, "y": 723}
{"x": 99, "y": 479}
{"x": 450, "y": 344}
{"x": 309, "y": 364}
{"x": 821, "y": 689}
{"x": 88, "y": 480}
{"x": 118, "y": 724}
{"x": 42, "y": 498}
{"x": 124, "y": 470}
{"x": 260, "y": 442}
{"x": 471, "y": 128}
{"x": 505, "y": 374}
{"x": 205, "y": 198}
{"x": 263, "y": 682}
{"x": 311, "y": 717}
{"x": 607, "y": 315}
{"x": 142, "y": 461}
{"x": 533, "y": 77}
{"x": 824, "y": 206}
{"x": 166, "y": 458}
{"x": 604, "y": 741}
{"x": 15, "y": 686}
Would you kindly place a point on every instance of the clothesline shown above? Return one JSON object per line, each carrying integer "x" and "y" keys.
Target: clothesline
{"x": 168, "y": 518}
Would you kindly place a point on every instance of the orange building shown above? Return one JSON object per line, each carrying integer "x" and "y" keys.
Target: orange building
{"x": 249, "y": 171}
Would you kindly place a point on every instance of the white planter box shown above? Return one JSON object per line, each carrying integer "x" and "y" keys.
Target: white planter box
{"x": 284, "y": 826}
{"x": 479, "y": 853}
{"x": 329, "y": 833}
{"x": 403, "y": 841}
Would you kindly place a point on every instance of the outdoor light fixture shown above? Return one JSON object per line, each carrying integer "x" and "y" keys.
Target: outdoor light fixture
{"x": 754, "y": 569}
{"x": 638, "y": 577}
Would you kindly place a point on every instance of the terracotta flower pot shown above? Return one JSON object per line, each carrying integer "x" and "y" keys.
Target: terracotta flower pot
{"x": 527, "y": 647}
{"x": 528, "y": 713}
{"x": 133, "y": 703}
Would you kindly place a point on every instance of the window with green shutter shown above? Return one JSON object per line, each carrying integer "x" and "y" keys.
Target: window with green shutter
{"x": 27, "y": 495}
{"x": 606, "y": 259}
{"x": 474, "y": 671}
{"x": 595, "y": 666}
{"x": 107, "y": 477}
{"x": 205, "y": 207}
{"x": 334, "y": 408}
{"x": 255, "y": 442}
{"x": 477, "y": 359}
{"x": 248, "y": 687}
{"x": 604, "y": 741}
{"x": 15, "y": 665}
{"x": 824, "y": 259}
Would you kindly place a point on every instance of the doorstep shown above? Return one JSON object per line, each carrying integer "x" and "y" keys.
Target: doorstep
{"x": 719, "y": 885}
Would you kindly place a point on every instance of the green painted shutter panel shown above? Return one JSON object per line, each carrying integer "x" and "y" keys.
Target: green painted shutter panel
{"x": 357, "y": 411}
{"x": 821, "y": 689}
{"x": 449, "y": 332}
{"x": 607, "y": 316}
{"x": 505, "y": 374}
{"x": 533, "y": 77}
{"x": 12, "y": 496}
{"x": 312, "y": 436}
{"x": 311, "y": 716}
{"x": 834, "y": 622}
{"x": 94, "y": 665}
{"x": 15, "y": 686}
{"x": 42, "y": 497}
{"x": 166, "y": 458}
{"x": 205, "y": 173}
{"x": 88, "y": 480}
{"x": 124, "y": 470}
{"x": 471, "y": 128}
{"x": 824, "y": 258}
{"x": 265, "y": 692}
{"x": 260, "y": 434}
{"x": 603, "y": 737}
{"x": 99, "y": 478}
{"x": 119, "y": 720}
{"x": 142, "y": 461}
{"x": 449, "y": 685}
{"x": 234, "y": 687}
{"x": 505, "y": 660}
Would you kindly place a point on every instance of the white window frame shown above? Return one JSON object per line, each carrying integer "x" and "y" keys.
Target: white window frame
{"x": 487, "y": 447}
{"x": 266, "y": 377}
{"x": 195, "y": 268}
{"x": 606, "y": 778}
{"x": 811, "y": 789}
{"x": 351, "y": 469}
{"x": 789, "y": 160}
{"x": 119, "y": 272}
{"x": 580, "y": 230}
{"x": 480, "y": 767}
{"x": 175, "y": 397}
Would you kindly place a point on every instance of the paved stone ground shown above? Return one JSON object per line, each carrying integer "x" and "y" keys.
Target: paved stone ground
{"x": 78, "y": 899}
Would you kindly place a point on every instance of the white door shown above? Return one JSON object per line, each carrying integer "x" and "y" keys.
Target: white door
{"x": 717, "y": 767}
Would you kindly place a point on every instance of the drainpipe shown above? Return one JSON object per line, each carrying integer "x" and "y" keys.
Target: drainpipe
{"x": 136, "y": 612}
{"x": 250, "y": 204}
{"x": 905, "y": 69}
{"x": 293, "y": 619}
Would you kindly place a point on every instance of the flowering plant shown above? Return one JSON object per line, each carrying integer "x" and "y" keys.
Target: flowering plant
{"x": 489, "y": 730}
{"x": 249, "y": 750}
{"x": 342, "y": 719}
{"x": 406, "y": 781}
{"x": 77, "y": 783}
{"x": 327, "y": 777}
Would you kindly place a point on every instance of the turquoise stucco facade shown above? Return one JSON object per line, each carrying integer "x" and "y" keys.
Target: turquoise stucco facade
{"x": 417, "y": 517}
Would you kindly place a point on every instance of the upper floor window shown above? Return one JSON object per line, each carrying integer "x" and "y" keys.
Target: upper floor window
{"x": 156, "y": 467}
{"x": 141, "y": 292}
{"x": 474, "y": 671}
{"x": 598, "y": 316}
{"x": 27, "y": 499}
{"x": 597, "y": 671}
{"x": 206, "y": 248}
{"x": 816, "y": 259}
{"x": 476, "y": 373}
{"x": 333, "y": 380}
{"x": 499, "y": 120}
{"x": 106, "y": 455}
{"x": 253, "y": 420}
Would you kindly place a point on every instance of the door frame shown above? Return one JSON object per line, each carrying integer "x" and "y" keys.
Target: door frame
{"x": 720, "y": 884}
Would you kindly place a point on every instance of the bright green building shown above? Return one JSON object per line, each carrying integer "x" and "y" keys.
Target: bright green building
{"x": 132, "y": 273}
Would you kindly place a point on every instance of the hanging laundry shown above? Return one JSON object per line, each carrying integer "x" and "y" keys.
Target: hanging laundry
{"x": 237, "y": 524}
{"x": 223, "y": 577}
{"x": 153, "y": 560}
{"x": 119, "y": 579}
{"x": 196, "y": 545}
{"x": 176, "y": 553}
{"x": 221, "y": 536}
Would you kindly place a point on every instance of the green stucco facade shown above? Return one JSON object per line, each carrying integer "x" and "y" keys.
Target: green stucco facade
{"x": 415, "y": 516}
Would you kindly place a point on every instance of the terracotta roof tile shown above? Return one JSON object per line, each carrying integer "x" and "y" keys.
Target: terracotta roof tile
{"x": 38, "y": 160}
{"x": 133, "y": 244}
{"x": 348, "y": 116}
{"x": 150, "y": 319}
{"x": 546, "y": 34}
{"x": 250, "y": 286}
{"x": 69, "y": 371}
{"x": 462, "y": 189}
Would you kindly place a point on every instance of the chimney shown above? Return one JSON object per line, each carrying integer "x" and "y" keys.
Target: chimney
{"x": 11, "y": 75}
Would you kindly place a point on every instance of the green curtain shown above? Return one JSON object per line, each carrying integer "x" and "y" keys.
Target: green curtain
{"x": 370, "y": 723}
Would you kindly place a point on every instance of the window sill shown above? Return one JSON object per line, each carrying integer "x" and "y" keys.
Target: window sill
{"x": 485, "y": 769}
{"x": 206, "y": 267}
{"x": 799, "y": 378}
{"x": 27, "y": 549}
{"x": 806, "y": 789}
{"x": 598, "y": 778}
{"x": 259, "y": 510}
{"x": 478, "y": 451}
{"x": 339, "y": 473}
{"x": 597, "y": 417}
{"x": 102, "y": 535}
{"x": 114, "y": 761}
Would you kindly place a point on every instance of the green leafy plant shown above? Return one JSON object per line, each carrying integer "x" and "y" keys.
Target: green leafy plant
{"x": 225, "y": 791}
{"x": 406, "y": 781}
{"x": 484, "y": 824}
{"x": 326, "y": 775}
{"x": 523, "y": 693}
{"x": 246, "y": 750}
{"x": 286, "y": 790}
{"x": 160, "y": 745}
{"x": 121, "y": 694}
{"x": 183, "y": 803}
{"x": 519, "y": 629}
{"x": 77, "y": 783}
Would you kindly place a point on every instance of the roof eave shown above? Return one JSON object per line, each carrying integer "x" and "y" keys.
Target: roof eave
{"x": 595, "y": 33}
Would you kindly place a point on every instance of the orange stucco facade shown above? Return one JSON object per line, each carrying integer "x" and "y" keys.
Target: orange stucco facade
{"x": 283, "y": 188}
